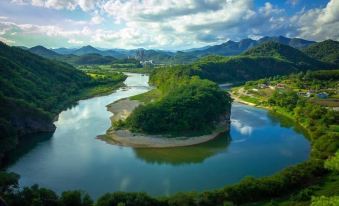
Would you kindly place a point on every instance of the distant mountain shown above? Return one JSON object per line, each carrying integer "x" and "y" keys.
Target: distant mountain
{"x": 228, "y": 48}
{"x": 231, "y": 48}
{"x": 85, "y": 59}
{"x": 86, "y": 50}
{"x": 92, "y": 50}
{"x": 64, "y": 51}
{"x": 284, "y": 52}
{"x": 267, "y": 59}
{"x": 241, "y": 68}
{"x": 292, "y": 42}
{"x": 326, "y": 51}
{"x": 88, "y": 59}
{"x": 33, "y": 91}
{"x": 44, "y": 52}
{"x": 22, "y": 47}
{"x": 196, "y": 49}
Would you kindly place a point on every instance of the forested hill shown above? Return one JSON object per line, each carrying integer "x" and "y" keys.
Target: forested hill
{"x": 83, "y": 59}
{"x": 32, "y": 91}
{"x": 44, "y": 52}
{"x": 287, "y": 53}
{"x": 267, "y": 59}
{"x": 326, "y": 51}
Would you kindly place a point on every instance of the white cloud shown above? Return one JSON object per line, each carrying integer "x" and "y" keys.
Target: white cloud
{"x": 96, "y": 19}
{"x": 177, "y": 24}
{"x": 242, "y": 128}
{"x": 293, "y": 2}
{"x": 85, "y": 5}
{"x": 7, "y": 41}
{"x": 318, "y": 24}
{"x": 74, "y": 41}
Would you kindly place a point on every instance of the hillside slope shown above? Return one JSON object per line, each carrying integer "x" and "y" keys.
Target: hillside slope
{"x": 44, "y": 52}
{"x": 287, "y": 53}
{"x": 231, "y": 48}
{"x": 326, "y": 51}
{"x": 33, "y": 91}
{"x": 267, "y": 59}
{"x": 84, "y": 59}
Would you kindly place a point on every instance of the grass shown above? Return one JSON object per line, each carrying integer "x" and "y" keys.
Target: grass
{"x": 250, "y": 99}
{"x": 148, "y": 97}
{"x": 100, "y": 90}
{"x": 107, "y": 82}
{"x": 332, "y": 102}
{"x": 334, "y": 128}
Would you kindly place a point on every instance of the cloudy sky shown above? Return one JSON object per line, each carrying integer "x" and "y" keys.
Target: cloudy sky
{"x": 162, "y": 24}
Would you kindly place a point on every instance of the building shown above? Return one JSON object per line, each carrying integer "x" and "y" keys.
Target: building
{"x": 262, "y": 86}
{"x": 280, "y": 86}
{"x": 322, "y": 95}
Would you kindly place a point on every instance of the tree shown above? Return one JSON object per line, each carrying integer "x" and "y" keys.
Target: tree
{"x": 75, "y": 198}
{"x": 8, "y": 182}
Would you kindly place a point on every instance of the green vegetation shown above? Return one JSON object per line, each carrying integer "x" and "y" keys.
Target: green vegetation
{"x": 34, "y": 90}
{"x": 181, "y": 105}
{"x": 148, "y": 97}
{"x": 181, "y": 88}
{"x": 87, "y": 59}
{"x": 286, "y": 53}
{"x": 319, "y": 121}
{"x": 326, "y": 51}
{"x": 267, "y": 59}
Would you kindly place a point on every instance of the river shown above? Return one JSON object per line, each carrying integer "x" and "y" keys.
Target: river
{"x": 259, "y": 144}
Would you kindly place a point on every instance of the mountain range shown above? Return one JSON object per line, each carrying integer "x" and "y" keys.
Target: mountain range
{"x": 266, "y": 59}
{"x": 228, "y": 48}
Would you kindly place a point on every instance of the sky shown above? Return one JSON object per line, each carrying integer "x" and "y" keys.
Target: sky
{"x": 162, "y": 24}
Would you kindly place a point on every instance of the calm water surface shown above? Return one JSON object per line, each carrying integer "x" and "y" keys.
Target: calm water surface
{"x": 258, "y": 144}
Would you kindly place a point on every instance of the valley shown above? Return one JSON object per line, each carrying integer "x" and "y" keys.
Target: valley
{"x": 125, "y": 123}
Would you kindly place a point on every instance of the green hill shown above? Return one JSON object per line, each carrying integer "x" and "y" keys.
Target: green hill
{"x": 32, "y": 91}
{"x": 230, "y": 48}
{"x": 267, "y": 59}
{"x": 241, "y": 68}
{"x": 44, "y": 52}
{"x": 326, "y": 51}
{"x": 287, "y": 53}
{"x": 88, "y": 59}
{"x": 83, "y": 59}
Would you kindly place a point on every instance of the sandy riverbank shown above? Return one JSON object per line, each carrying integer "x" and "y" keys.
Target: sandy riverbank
{"x": 122, "y": 108}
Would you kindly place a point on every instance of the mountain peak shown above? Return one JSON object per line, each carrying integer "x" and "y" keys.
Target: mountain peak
{"x": 43, "y": 51}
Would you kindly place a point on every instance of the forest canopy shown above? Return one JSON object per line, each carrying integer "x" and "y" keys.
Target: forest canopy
{"x": 187, "y": 105}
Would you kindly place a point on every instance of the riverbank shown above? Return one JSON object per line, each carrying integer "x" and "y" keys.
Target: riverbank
{"x": 121, "y": 109}
{"x": 278, "y": 111}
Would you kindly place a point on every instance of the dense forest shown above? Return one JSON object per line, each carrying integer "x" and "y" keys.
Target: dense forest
{"x": 182, "y": 108}
{"x": 267, "y": 59}
{"x": 34, "y": 90}
{"x": 326, "y": 51}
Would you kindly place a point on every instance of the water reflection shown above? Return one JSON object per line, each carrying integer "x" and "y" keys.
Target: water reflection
{"x": 255, "y": 118}
{"x": 74, "y": 159}
{"x": 184, "y": 155}
{"x": 27, "y": 143}
{"x": 286, "y": 122}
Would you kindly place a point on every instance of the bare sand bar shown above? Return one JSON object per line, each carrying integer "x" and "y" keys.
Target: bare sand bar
{"x": 122, "y": 108}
